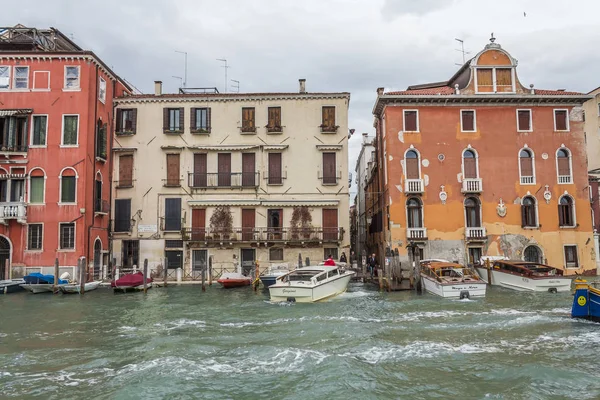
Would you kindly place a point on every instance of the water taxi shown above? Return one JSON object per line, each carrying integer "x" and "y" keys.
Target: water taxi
{"x": 451, "y": 280}
{"x": 525, "y": 276}
{"x": 586, "y": 302}
{"x": 311, "y": 283}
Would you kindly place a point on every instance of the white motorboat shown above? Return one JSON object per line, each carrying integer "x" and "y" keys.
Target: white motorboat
{"x": 451, "y": 280}
{"x": 311, "y": 283}
{"x": 525, "y": 276}
{"x": 11, "y": 285}
{"x": 269, "y": 277}
{"x": 36, "y": 288}
{"x": 74, "y": 288}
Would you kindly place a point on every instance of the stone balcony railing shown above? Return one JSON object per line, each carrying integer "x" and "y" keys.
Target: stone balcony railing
{"x": 413, "y": 186}
{"x": 416, "y": 233}
{"x": 472, "y": 185}
{"x": 475, "y": 233}
{"x": 249, "y": 234}
{"x": 13, "y": 210}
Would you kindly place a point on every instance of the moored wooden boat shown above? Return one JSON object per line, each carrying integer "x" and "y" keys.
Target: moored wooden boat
{"x": 234, "y": 279}
{"x": 131, "y": 282}
{"x": 451, "y": 280}
{"x": 11, "y": 286}
{"x": 586, "y": 302}
{"x": 74, "y": 288}
{"x": 524, "y": 276}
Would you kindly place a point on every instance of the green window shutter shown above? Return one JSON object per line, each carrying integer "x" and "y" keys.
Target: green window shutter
{"x": 68, "y": 189}
{"x": 37, "y": 189}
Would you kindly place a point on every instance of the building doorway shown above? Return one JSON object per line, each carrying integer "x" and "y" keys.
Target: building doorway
{"x": 97, "y": 258}
{"x": 475, "y": 254}
{"x": 533, "y": 254}
{"x": 4, "y": 256}
{"x": 248, "y": 259}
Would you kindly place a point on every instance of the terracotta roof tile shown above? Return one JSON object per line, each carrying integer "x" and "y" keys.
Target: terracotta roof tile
{"x": 442, "y": 90}
{"x": 209, "y": 95}
{"x": 555, "y": 92}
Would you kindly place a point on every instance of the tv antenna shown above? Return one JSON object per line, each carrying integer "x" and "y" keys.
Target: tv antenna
{"x": 185, "y": 67}
{"x": 462, "y": 50}
{"x": 180, "y": 80}
{"x": 236, "y": 85}
{"x": 224, "y": 66}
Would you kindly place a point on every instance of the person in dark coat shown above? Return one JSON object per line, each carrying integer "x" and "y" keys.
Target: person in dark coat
{"x": 372, "y": 263}
{"x": 343, "y": 258}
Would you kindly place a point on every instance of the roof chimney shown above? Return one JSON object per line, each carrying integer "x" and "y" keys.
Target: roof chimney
{"x": 380, "y": 91}
{"x": 302, "y": 85}
{"x": 456, "y": 89}
{"x": 365, "y": 137}
{"x": 157, "y": 88}
{"x": 531, "y": 90}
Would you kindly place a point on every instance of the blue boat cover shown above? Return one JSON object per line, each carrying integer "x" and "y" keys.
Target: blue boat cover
{"x": 37, "y": 278}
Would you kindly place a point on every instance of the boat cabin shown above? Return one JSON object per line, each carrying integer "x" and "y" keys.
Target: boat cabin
{"x": 313, "y": 276}
{"x": 525, "y": 268}
{"x": 447, "y": 271}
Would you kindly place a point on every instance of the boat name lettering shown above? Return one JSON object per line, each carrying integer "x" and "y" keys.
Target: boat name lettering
{"x": 555, "y": 281}
{"x": 289, "y": 291}
{"x": 525, "y": 280}
{"x": 465, "y": 287}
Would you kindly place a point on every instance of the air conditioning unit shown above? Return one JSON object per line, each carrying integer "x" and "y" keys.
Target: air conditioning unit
{"x": 4, "y": 81}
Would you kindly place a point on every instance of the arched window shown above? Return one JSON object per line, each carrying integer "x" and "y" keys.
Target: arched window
{"x": 470, "y": 170}
{"x": 411, "y": 160}
{"x": 68, "y": 186}
{"x": 533, "y": 254}
{"x": 528, "y": 212}
{"x": 526, "y": 167}
{"x": 566, "y": 211}
{"x": 37, "y": 183}
{"x": 414, "y": 210}
{"x": 98, "y": 193}
{"x": 473, "y": 212}
{"x": 563, "y": 165}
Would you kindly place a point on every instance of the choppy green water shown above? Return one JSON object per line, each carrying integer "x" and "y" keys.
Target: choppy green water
{"x": 181, "y": 343}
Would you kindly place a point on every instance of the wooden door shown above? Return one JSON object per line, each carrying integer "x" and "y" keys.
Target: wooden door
{"x": 274, "y": 224}
{"x": 275, "y": 177}
{"x": 248, "y": 224}
{"x": 199, "y": 177}
{"x": 172, "y": 169}
{"x": 330, "y": 224}
{"x": 198, "y": 224}
{"x": 224, "y": 165}
{"x": 248, "y": 169}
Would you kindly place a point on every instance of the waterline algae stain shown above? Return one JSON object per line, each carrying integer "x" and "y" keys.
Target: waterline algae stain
{"x": 178, "y": 342}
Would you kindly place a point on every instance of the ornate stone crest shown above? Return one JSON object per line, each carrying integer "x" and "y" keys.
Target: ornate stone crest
{"x": 443, "y": 195}
{"x": 501, "y": 208}
{"x": 547, "y": 194}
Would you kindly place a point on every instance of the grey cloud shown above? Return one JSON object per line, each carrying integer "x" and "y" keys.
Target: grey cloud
{"x": 394, "y": 8}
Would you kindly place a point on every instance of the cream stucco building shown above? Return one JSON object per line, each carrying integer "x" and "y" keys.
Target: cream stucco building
{"x": 592, "y": 130}
{"x": 233, "y": 177}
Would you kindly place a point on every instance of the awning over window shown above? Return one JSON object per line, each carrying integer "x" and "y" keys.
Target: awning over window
{"x": 20, "y": 111}
{"x": 225, "y": 147}
{"x": 265, "y": 203}
{"x": 329, "y": 147}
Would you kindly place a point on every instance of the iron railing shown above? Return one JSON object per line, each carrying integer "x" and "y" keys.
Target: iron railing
{"x": 224, "y": 180}
{"x": 249, "y": 234}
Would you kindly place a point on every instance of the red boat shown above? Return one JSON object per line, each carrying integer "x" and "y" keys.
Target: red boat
{"x": 231, "y": 280}
{"x": 131, "y": 282}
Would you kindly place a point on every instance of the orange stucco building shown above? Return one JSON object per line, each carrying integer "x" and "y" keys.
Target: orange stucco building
{"x": 481, "y": 165}
{"x": 56, "y": 113}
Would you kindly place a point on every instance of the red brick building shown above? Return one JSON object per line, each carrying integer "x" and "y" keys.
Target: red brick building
{"x": 482, "y": 165}
{"x": 56, "y": 113}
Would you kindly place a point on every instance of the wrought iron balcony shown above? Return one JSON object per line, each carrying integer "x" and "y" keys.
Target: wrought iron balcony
{"x": 472, "y": 185}
{"x": 279, "y": 235}
{"x": 224, "y": 180}
{"x": 416, "y": 233}
{"x": 475, "y": 233}
{"x": 414, "y": 186}
{"x": 13, "y": 210}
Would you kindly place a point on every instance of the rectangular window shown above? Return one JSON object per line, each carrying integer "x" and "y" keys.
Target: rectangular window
{"x": 101, "y": 142}
{"x": 67, "y": 236}
{"x": 328, "y": 119}
{"x": 34, "y": 236}
{"x": 102, "y": 90}
{"x": 199, "y": 260}
{"x": 173, "y": 214}
{"x": 485, "y": 80}
{"x": 21, "y": 78}
{"x": 36, "y": 187}
{"x": 122, "y": 215}
{"x": 524, "y": 120}
{"x": 70, "y": 130}
{"x": 40, "y": 129}
{"x": 274, "y": 122}
{"x": 173, "y": 120}
{"x": 561, "y": 120}
{"x": 126, "y": 170}
{"x": 126, "y": 121}
{"x": 248, "y": 119}
{"x": 571, "y": 260}
{"x": 174, "y": 259}
{"x": 200, "y": 120}
{"x": 411, "y": 121}
{"x": 275, "y": 254}
{"x": 17, "y": 190}
{"x": 332, "y": 251}
{"x": 275, "y": 169}
{"x": 4, "y": 77}
{"x": 329, "y": 169}
{"x": 72, "y": 77}
{"x": 67, "y": 192}
{"x": 172, "y": 170}
{"x": 504, "y": 80}
{"x": 130, "y": 254}
{"x": 467, "y": 120}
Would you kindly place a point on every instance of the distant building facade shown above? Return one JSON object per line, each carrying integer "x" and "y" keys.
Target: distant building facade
{"x": 56, "y": 113}
{"x": 362, "y": 169}
{"x": 230, "y": 177}
{"x": 592, "y": 136}
{"x": 482, "y": 165}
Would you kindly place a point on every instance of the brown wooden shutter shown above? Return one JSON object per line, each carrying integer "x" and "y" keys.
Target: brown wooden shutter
{"x": 562, "y": 215}
{"x": 410, "y": 121}
{"x": 224, "y": 168}
{"x": 252, "y": 118}
{"x": 468, "y": 121}
{"x": 248, "y": 169}
{"x": 198, "y": 223}
{"x": 126, "y": 170}
{"x": 208, "y": 123}
{"x": 561, "y": 120}
{"x": 412, "y": 168}
{"x": 134, "y": 120}
{"x": 275, "y": 177}
{"x": 181, "y": 119}
{"x": 564, "y": 169}
{"x": 193, "y": 118}
{"x": 328, "y": 119}
{"x": 248, "y": 224}
{"x": 470, "y": 165}
{"x": 172, "y": 169}
{"x": 523, "y": 216}
{"x": 329, "y": 168}
{"x": 526, "y": 166}
{"x": 274, "y": 117}
{"x": 165, "y": 119}
{"x": 119, "y": 125}
{"x": 503, "y": 77}
{"x": 200, "y": 170}
{"x": 330, "y": 223}
{"x": 524, "y": 120}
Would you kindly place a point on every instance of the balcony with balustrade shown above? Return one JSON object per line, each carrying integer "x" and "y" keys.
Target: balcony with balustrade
{"x": 224, "y": 180}
{"x": 472, "y": 185}
{"x": 475, "y": 233}
{"x": 565, "y": 179}
{"x": 13, "y": 211}
{"x": 414, "y": 186}
{"x": 287, "y": 235}
{"x": 416, "y": 234}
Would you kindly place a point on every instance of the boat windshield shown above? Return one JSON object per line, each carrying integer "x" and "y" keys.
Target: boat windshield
{"x": 302, "y": 275}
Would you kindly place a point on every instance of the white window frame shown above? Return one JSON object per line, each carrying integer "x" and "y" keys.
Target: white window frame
{"x": 60, "y": 176}
{"x": 474, "y": 120}
{"x": 465, "y": 212}
{"x": 418, "y": 159}
{"x": 282, "y": 254}
{"x": 74, "y": 237}
{"x": 29, "y": 186}
{"x": 574, "y": 212}
{"x": 565, "y": 256}
{"x": 462, "y": 164}
{"x": 62, "y": 131}
{"x": 10, "y": 78}
{"x": 46, "y": 89}
{"x": 404, "y": 121}
{"x": 27, "y": 249}
{"x": 563, "y": 147}
{"x": 494, "y": 87}
{"x": 532, "y": 165}
{"x": 72, "y": 89}
{"x": 421, "y": 208}
{"x": 36, "y": 146}
{"x": 14, "y": 78}
{"x": 101, "y": 94}
{"x": 530, "y": 119}
{"x": 567, "y": 118}
{"x": 537, "y": 215}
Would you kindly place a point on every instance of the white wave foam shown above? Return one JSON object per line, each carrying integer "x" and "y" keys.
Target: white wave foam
{"x": 354, "y": 294}
{"x": 181, "y": 323}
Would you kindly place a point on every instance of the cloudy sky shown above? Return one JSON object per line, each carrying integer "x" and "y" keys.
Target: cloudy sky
{"x": 337, "y": 45}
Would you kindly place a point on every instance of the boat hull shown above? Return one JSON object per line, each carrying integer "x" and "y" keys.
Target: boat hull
{"x": 36, "y": 288}
{"x": 135, "y": 288}
{"x": 305, "y": 293}
{"x": 72, "y": 289}
{"x": 228, "y": 283}
{"x": 586, "y": 302}
{"x": 11, "y": 286}
{"x": 455, "y": 290}
{"x": 525, "y": 284}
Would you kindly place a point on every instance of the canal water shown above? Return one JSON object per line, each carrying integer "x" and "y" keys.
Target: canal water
{"x": 180, "y": 343}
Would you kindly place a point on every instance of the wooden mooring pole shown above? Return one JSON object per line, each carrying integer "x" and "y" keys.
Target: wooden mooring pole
{"x": 145, "y": 275}
{"x": 56, "y": 275}
{"x": 489, "y": 272}
{"x": 82, "y": 274}
{"x": 210, "y": 271}
{"x": 7, "y": 269}
{"x": 204, "y": 278}
{"x": 165, "y": 272}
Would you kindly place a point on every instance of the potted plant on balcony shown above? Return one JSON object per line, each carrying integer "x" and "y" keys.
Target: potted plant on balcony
{"x": 301, "y": 223}
{"x": 221, "y": 222}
